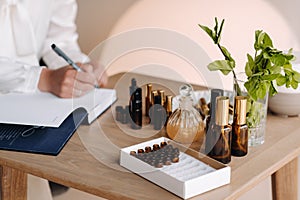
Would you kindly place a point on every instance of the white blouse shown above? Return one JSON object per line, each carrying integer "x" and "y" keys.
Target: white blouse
{"x": 27, "y": 30}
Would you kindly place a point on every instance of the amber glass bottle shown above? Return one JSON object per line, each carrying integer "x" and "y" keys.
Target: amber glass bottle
{"x": 239, "y": 144}
{"x": 148, "y": 99}
{"x": 210, "y": 139}
{"x": 168, "y": 107}
{"x": 159, "y": 113}
{"x": 221, "y": 150}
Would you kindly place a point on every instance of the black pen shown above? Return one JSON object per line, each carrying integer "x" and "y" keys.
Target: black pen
{"x": 59, "y": 52}
{"x": 65, "y": 57}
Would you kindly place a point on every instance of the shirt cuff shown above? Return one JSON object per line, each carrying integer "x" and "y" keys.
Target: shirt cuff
{"x": 32, "y": 79}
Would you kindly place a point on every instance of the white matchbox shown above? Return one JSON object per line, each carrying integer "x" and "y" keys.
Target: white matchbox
{"x": 194, "y": 174}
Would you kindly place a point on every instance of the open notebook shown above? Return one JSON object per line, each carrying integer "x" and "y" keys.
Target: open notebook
{"x": 45, "y": 109}
{"x": 40, "y": 139}
{"x": 43, "y": 123}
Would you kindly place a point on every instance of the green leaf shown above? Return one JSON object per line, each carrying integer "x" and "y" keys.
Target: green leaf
{"x": 251, "y": 86}
{"x": 294, "y": 84}
{"x": 258, "y": 74}
{"x": 278, "y": 60}
{"x": 222, "y": 65}
{"x": 266, "y": 55}
{"x": 226, "y": 53}
{"x": 260, "y": 39}
{"x": 270, "y": 77}
{"x": 262, "y": 90}
{"x": 296, "y": 76}
{"x": 248, "y": 69}
{"x": 274, "y": 69}
{"x": 216, "y": 25}
{"x": 250, "y": 65}
{"x": 280, "y": 80}
{"x": 257, "y": 43}
{"x": 209, "y": 32}
{"x": 267, "y": 41}
{"x": 220, "y": 30}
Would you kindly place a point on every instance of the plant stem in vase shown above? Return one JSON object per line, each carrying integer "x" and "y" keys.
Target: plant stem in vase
{"x": 267, "y": 67}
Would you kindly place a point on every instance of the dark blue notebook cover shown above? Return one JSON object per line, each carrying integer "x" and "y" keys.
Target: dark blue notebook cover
{"x": 43, "y": 140}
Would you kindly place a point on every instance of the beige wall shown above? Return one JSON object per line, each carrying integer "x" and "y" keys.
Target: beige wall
{"x": 96, "y": 19}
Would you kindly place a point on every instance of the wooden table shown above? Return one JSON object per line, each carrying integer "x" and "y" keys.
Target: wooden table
{"x": 90, "y": 160}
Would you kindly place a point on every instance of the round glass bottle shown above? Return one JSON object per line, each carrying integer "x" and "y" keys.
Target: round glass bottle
{"x": 185, "y": 125}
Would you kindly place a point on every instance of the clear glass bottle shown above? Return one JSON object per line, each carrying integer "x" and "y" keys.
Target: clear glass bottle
{"x": 185, "y": 125}
{"x": 239, "y": 143}
{"x": 221, "y": 131}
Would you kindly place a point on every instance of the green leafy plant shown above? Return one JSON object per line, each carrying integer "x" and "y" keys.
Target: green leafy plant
{"x": 267, "y": 67}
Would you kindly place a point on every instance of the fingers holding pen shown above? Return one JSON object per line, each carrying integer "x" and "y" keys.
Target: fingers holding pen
{"x": 100, "y": 73}
{"x": 84, "y": 80}
{"x": 86, "y": 75}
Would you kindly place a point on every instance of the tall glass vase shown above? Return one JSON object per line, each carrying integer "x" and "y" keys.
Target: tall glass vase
{"x": 256, "y": 112}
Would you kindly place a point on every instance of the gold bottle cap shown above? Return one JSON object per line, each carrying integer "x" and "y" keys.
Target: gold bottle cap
{"x": 162, "y": 95}
{"x": 148, "y": 90}
{"x": 222, "y": 112}
{"x": 168, "y": 103}
{"x": 153, "y": 94}
{"x": 240, "y": 110}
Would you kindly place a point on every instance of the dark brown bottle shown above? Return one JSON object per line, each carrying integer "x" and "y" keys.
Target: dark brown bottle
{"x": 148, "y": 98}
{"x": 153, "y": 94}
{"x": 132, "y": 87}
{"x": 168, "y": 107}
{"x": 210, "y": 138}
{"x": 159, "y": 113}
{"x": 221, "y": 150}
{"x": 136, "y": 112}
{"x": 204, "y": 106}
{"x": 239, "y": 143}
{"x": 161, "y": 93}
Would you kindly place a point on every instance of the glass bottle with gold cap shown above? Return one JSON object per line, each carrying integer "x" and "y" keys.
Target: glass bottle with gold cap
{"x": 239, "y": 143}
{"x": 221, "y": 149}
{"x": 185, "y": 124}
{"x": 168, "y": 106}
{"x": 211, "y": 119}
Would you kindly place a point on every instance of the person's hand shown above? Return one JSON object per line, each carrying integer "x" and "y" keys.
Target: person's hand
{"x": 99, "y": 72}
{"x": 66, "y": 82}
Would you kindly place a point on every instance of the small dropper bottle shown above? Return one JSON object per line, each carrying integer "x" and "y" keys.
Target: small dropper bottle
{"x": 239, "y": 144}
{"x": 221, "y": 150}
{"x": 136, "y": 113}
{"x": 210, "y": 139}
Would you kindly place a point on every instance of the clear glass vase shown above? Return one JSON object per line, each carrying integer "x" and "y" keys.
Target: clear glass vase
{"x": 256, "y": 112}
{"x": 185, "y": 125}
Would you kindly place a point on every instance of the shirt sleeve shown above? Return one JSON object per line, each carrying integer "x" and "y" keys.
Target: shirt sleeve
{"x": 62, "y": 32}
{"x": 18, "y": 77}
